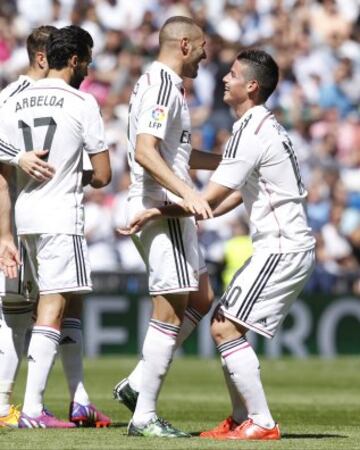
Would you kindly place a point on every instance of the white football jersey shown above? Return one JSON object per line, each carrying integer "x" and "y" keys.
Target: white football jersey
{"x": 260, "y": 162}
{"x": 11, "y": 90}
{"x": 158, "y": 107}
{"x": 14, "y": 88}
{"x": 52, "y": 115}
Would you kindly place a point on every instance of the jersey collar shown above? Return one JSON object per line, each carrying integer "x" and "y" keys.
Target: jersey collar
{"x": 250, "y": 112}
{"x": 26, "y": 78}
{"x": 53, "y": 82}
{"x": 175, "y": 78}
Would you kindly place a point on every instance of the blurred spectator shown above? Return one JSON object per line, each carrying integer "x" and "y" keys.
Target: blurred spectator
{"x": 238, "y": 249}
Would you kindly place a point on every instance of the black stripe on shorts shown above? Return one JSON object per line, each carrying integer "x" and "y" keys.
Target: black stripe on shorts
{"x": 79, "y": 274}
{"x": 179, "y": 252}
{"x": 81, "y": 259}
{"x": 258, "y": 286}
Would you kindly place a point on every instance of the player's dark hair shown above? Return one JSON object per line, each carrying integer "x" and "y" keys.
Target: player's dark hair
{"x": 65, "y": 43}
{"x": 263, "y": 69}
{"x": 36, "y": 41}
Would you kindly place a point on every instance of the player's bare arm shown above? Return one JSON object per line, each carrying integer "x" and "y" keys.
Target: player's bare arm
{"x": 101, "y": 175}
{"x": 220, "y": 198}
{"x": 204, "y": 160}
{"x": 228, "y": 204}
{"x": 147, "y": 154}
{"x": 9, "y": 255}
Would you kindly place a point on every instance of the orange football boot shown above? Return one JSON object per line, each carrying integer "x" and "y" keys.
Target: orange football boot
{"x": 221, "y": 429}
{"x": 248, "y": 430}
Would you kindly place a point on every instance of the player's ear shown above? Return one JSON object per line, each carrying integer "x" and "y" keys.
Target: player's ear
{"x": 185, "y": 46}
{"x": 74, "y": 60}
{"x": 41, "y": 60}
{"x": 252, "y": 86}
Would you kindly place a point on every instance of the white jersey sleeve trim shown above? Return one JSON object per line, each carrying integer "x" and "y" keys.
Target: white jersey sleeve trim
{"x": 8, "y": 153}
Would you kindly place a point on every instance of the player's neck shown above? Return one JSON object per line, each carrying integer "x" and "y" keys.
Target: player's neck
{"x": 63, "y": 74}
{"x": 36, "y": 73}
{"x": 172, "y": 63}
{"x": 242, "y": 108}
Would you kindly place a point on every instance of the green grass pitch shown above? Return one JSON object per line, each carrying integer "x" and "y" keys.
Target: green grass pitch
{"x": 317, "y": 403}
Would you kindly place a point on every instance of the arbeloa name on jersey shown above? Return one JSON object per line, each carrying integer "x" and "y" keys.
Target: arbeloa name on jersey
{"x": 39, "y": 100}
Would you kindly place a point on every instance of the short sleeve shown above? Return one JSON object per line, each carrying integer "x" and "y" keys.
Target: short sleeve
{"x": 233, "y": 172}
{"x": 156, "y": 110}
{"x": 8, "y": 152}
{"x": 94, "y": 133}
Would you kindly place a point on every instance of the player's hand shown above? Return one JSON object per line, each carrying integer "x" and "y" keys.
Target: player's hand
{"x": 9, "y": 257}
{"x": 139, "y": 221}
{"x": 32, "y": 164}
{"x": 8, "y": 266}
{"x": 196, "y": 205}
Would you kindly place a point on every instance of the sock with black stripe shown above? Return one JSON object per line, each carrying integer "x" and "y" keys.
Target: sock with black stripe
{"x": 191, "y": 318}
{"x": 244, "y": 370}
{"x": 14, "y": 322}
{"x": 41, "y": 356}
{"x": 71, "y": 352}
{"x": 158, "y": 350}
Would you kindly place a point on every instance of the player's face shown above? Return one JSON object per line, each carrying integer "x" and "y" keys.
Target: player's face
{"x": 236, "y": 85}
{"x": 80, "y": 71}
{"x": 196, "y": 54}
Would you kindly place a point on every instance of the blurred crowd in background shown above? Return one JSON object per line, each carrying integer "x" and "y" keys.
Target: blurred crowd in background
{"x": 317, "y": 46}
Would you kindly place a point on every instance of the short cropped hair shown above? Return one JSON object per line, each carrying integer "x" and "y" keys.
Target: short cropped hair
{"x": 65, "y": 43}
{"x": 262, "y": 68}
{"x": 36, "y": 41}
{"x": 175, "y": 20}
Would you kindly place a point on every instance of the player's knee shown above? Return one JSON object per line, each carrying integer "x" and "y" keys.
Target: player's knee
{"x": 223, "y": 329}
{"x": 219, "y": 327}
{"x": 217, "y": 332}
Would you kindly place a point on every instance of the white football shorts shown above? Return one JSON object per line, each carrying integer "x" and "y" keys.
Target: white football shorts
{"x": 59, "y": 262}
{"x": 170, "y": 250}
{"x": 262, "y": 291}
{"x": 23, "y": 287}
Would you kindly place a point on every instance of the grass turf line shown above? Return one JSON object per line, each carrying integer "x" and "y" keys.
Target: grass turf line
{"x": 316, "y": 402}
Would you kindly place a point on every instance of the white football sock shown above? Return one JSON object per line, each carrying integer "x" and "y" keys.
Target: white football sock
{"x": 71, "y": 352}
{"x": 191, "y": 319}
{"x": 244, "y": 370}
{"x": 158, "y": 350}
{"x": 41, "y": 356}
{"x": 14, "y": 321}
{"x": 239, "y": 411}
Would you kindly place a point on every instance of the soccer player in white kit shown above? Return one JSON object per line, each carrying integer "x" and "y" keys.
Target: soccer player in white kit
{"x": 17, "y": 295}
{"x": 160, "y": 155}
{"x": 260, "y": 166}
{"x": 54, "y": 115}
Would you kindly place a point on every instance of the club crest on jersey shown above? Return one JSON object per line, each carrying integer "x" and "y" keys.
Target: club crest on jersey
{"x": 158, "y": 115}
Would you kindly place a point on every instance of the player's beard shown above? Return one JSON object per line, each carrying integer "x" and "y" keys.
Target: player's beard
{"x": 191, "y": 70}
{"x": 77, "y": 78}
